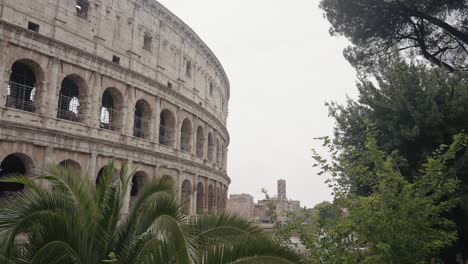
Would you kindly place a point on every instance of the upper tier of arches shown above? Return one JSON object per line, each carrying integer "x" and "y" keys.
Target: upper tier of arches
{"x": 138, "y": 117}
{"x": 139, "y": 35}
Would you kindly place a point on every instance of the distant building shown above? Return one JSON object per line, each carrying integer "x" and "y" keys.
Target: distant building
{"x": 243, "y": 205}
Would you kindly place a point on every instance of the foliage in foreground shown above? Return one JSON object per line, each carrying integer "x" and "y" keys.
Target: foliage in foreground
{"x": 74, "y": 221}
{"x": 399, "y": 222}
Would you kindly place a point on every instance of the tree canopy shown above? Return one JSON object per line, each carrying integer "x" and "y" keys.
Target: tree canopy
{"x": 435, "y": 29}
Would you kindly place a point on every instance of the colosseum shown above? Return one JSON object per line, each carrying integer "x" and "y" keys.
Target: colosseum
{"x": 87, "y": 82}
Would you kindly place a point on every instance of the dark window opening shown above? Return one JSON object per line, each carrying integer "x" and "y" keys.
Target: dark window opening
{"x": 107, "y": 111}
{"x": 11, "y": 164}
{"x": 200, "y": 198}
{"x": 210, "y": 199}
{"x": 169, "y": 84}
{"x": 106, "y": 169}
{"x": 115, "y": 59}
{"x": 166, "y": 128}
{"x": 82, "y": 8}
{"x": 141, "y": 120}
{"x": 186, "y": 195}
{"x": 33, "y": 26}
{"x": 68, "y": 100}
{"x": 186, "y": 136}
{"x": 211, "y": 88}
{"x": 21, "y": 88}
{"x": 188, "y": 69}
{"x": 134, "y": 190}
{"x": 211, "y": 146}
{"x": 147, "y": 42}
{"x": 200, "y": 142}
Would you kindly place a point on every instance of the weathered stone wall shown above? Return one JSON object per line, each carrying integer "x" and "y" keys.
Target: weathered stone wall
{"x": 176, "y": 72}
{"x": 242, "y": 205}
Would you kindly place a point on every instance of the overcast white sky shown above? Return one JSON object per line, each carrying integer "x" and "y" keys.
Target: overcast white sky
{"x": 283, "y": 65}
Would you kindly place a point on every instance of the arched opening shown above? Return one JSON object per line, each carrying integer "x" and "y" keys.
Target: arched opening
{"x": 166, "y": 128}
{"x": 186, "y": 195}
{"x": 141, "y": 119}
{"x": 186, "y": 136}
{"x": 200, "y": 198}
{"x": 210, "y": 147}
{"x": 13, "y": 164}
{"x": 200, "y": 142}
{"x": 210, "y": 199}
{"x": 218, "y": 200}
{"x": 21, "y": 90}
{"x": 70, "y": 97}
{"x": 110, "y": 116}
{"x": 115, "y": 174}
{"x": 218, "y": 153}
{"x": 138, "y": 181}
{"x": 70, "y": 164}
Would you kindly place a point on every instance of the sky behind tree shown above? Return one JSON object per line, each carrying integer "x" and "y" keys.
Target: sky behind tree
{"x": 283, "y": 66}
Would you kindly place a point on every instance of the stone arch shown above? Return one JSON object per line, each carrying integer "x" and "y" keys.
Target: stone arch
{"x": 211, "y": 146}
{"x": 186, "y": 136}
{"x": 138, "y": 181}
{"x": 167, "y": 128}
{"x": 186, "y": 193}
{"x": 110, "y": 115}
{"x": 142, "y": 119}
{"x": 115, "y": 174}
{"x": 70, "y": 164}
{"x": 23, "y": 86}
{"x": 14, "y": 163}
{"x": 73, "y": 93}
{"x": 200, "y": 142}
{"x": 211, "y": 198}
{"x": 200, "y": 198}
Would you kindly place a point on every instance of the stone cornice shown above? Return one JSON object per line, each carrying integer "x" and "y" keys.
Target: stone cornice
{"x": 109, "y": 64}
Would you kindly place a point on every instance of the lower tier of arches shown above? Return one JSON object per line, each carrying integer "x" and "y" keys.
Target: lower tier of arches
{"x": 201, "y": 190}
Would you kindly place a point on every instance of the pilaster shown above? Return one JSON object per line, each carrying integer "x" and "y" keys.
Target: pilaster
{"x": 155, "y": 120}
{"x": 50, "y": 90}
{"x": 92, "y": 166}
{"x": 4, "y": 72}
{"x": 94, "y": 101}
{"x": 178, "y": 125}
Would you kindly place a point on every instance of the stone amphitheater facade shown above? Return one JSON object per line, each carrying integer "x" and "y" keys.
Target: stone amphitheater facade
{"x": 87, "y": 82}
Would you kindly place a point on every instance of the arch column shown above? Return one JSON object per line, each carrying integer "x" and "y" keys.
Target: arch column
{"x": 128, "y": 111}
{"x": 92, "y": 166}
{"x": 225, "y": 151}
{"x": 4, "y": 73}
{"x": 178, "y": 126}
{"x": 156, "y": 119}
{"x": 49, "y": 91}
{"x": 193, "y": 207}
{"x": 205, "y": 144}
{"x": 93, "y": 104}
{"x": 126, "y": 200}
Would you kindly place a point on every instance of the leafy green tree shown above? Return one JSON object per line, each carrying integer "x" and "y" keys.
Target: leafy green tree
{"x": 400, "y": 221}
{"x": 435, "y": 29}
{"x": 71, "y": 220}
{"x": 414, "y": 109}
